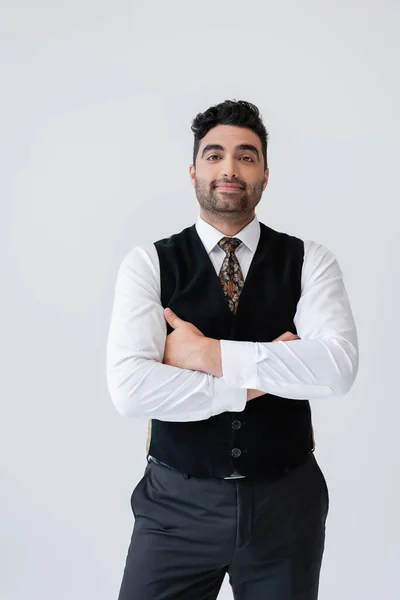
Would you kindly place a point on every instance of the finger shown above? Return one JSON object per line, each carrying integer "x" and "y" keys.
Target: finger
{"x": 286, "y": 337}
{"x": 283, "y": 337}
{"x": 172, "y": 318}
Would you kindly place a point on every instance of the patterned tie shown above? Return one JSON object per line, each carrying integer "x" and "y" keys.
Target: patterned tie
{"x": 231, "y": 276}
{"x": 232, "y": 282}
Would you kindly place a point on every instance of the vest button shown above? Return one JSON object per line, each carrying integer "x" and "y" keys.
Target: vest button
{"x": 236, "y": 452}
{"x": 236, "y": 424}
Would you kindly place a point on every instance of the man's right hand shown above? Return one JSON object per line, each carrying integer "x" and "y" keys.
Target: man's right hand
{"x": 285, "y": 337}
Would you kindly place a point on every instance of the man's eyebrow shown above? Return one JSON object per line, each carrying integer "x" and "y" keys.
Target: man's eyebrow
{"x": 211, "y": 147}
{"x": 239, "y": 147}
{"x": 248, "y": 147}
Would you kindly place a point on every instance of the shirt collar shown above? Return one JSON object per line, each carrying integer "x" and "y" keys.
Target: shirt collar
{"x": 210, "y": 236}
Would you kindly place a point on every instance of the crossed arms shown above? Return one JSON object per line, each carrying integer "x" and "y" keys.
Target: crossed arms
{"x": 151, "y": 375}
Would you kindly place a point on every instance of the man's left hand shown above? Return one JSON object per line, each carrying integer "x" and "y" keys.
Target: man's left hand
{"x": 186, "y": 347}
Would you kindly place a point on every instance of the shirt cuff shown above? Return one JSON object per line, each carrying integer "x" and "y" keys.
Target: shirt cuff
{"x": 227, "y": 398}
{"x": 239, "y": 363}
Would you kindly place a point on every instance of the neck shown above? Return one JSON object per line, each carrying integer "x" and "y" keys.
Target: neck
{"x": 229, "y": 228}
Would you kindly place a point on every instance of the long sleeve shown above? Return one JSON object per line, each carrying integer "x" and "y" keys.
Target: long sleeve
{"x": 324, "y": 361}
{"x": 139, "y": 384}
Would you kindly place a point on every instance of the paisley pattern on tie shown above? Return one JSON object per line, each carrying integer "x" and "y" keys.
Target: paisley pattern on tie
{"x": 231, "y": 276}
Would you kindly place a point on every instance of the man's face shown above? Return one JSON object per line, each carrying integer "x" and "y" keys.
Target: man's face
{"x": 233, "y": 156}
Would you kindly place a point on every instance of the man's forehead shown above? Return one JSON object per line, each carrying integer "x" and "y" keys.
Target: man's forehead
{"x": 228, "y": 135}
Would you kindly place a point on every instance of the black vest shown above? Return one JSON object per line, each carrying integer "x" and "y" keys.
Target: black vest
{"x": 273, "y": 433}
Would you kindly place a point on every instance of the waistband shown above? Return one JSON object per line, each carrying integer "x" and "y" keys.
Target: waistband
{"x": 235, "y": 474}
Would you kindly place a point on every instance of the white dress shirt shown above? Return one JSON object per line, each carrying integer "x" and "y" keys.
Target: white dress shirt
{"x": 324, "y": 362}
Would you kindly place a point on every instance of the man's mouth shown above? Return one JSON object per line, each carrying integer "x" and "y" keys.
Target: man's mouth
{"x": 228, "y": 187}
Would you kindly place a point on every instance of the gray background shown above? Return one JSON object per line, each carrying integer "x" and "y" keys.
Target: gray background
{"x": 96, "y": 104}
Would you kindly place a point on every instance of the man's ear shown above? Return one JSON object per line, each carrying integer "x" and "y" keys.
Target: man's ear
{"x": 266, "y": 177}
{"x": 192, "y": 174}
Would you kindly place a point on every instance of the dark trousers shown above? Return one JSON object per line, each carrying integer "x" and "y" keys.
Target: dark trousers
{"x": 190, "y": 531}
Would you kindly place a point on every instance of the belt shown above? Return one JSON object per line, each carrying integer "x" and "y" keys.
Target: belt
{"x": 234, "y": 475}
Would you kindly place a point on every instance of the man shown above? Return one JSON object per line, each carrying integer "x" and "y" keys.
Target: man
{"x": 260, "y": 324}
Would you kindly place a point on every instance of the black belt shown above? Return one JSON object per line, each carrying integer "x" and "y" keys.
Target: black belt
{"x": 234, "y": 475}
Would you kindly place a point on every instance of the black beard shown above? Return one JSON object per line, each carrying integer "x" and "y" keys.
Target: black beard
{"x": 213, "y": 201}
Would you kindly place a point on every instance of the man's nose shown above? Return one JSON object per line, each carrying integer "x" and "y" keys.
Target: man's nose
{"x": 228, "y": 168}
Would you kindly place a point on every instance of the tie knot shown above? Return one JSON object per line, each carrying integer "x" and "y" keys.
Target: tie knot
{"x": 229, "y": 244}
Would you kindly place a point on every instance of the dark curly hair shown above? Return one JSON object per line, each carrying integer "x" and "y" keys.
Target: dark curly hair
{"x": 230, "y": 112}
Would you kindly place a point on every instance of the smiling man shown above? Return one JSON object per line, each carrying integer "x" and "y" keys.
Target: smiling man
{"x": 220, "y": 335}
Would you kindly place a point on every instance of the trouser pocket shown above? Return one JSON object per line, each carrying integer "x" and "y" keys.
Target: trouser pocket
{"x": 139, "y": 486}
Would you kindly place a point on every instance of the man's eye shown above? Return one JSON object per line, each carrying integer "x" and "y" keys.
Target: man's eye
{"x": 247, "y": 158}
